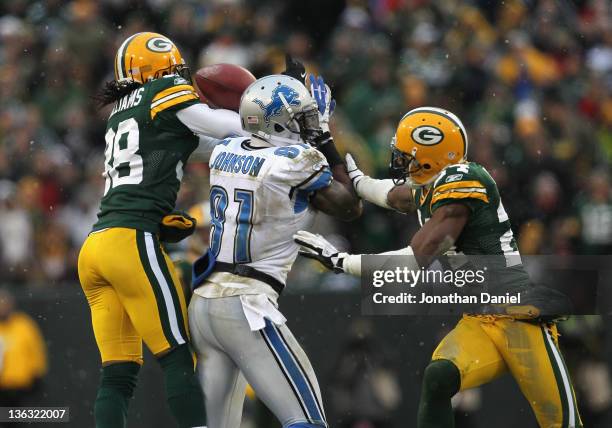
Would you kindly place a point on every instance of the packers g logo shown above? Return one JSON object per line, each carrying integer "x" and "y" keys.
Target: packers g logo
{"x": 159, "y": 44}
{"x": 427, "y": 135}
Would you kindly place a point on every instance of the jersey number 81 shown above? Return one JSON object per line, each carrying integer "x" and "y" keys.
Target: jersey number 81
{"x": 244, "y": 222}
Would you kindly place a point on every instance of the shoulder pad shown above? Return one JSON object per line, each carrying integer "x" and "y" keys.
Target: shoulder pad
{"x": 462, "y": 181}
{"x": 301, "y": 166}
{"x": 172, "y": 92}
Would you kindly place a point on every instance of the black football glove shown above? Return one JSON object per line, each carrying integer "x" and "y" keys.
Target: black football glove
{"x": 176, "y": 226}
{"x": 294, "y": 68}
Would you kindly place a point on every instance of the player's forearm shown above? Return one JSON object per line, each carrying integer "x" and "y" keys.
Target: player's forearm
{"x": 338, "y": 201}
{"x": 218, "y": 123}
{"x": 440, "y": 233}
{"x": 385, "y": 194}
{"x": 400, "y": 198}
{"x": 352, "y": 262}
{"x": 348, "y": 205}
{"x": 431, "y": 246}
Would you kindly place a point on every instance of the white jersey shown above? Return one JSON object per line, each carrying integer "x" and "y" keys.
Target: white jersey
{"x": 259, "y": 197}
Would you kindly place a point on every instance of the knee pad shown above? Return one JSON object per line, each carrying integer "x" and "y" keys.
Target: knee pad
{"x": 441, "y": 378}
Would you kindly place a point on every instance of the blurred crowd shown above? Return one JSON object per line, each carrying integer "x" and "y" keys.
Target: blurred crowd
{"x": 532, "y": 81}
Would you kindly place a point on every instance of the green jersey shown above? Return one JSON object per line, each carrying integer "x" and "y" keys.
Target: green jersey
{"x": 146, "y": 149}
{"x": 487, "y": 231}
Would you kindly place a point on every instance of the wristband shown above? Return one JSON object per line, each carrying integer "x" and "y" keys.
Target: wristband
{"x": 330, "y": 152}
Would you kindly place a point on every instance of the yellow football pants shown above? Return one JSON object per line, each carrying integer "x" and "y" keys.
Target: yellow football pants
{"x": 484, "y": 347}
{"x": 133, "y": 293}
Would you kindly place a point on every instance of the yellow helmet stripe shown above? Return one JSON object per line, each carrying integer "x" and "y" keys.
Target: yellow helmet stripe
{"x": 120, "y": 69}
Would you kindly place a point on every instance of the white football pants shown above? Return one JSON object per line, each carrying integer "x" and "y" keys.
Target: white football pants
{"x": 270, "y": 360}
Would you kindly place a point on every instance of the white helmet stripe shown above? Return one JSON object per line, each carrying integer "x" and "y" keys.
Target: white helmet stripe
{"x": 121, "y": 73}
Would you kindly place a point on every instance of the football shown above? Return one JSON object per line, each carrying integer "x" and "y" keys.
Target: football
{"x": 222, "y": 85}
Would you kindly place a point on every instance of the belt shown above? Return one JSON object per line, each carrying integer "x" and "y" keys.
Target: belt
{"x": 249, "y": 272}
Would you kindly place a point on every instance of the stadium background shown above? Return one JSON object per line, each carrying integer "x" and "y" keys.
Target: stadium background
{"x": 532, "y": 81}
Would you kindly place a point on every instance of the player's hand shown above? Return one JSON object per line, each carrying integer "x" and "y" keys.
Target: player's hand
{"x": 354, "y": 173}
{"x": 176, "y": 226}
{"x": 294, "y": 68}
{"x": 322, "y": 95}
{"x": 318, "y": 248}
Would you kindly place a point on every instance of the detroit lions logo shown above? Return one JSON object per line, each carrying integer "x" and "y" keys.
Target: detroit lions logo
{"x": 274, "y": 107}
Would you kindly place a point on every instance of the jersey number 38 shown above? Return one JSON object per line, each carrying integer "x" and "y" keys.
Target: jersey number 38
{"x": 121, "y": 163}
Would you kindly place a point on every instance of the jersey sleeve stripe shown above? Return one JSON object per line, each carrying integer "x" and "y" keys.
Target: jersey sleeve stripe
{"x": 465, "y": 189}
{"x": 172, "y": 102}
{"x": 458, "y": 184}
{"x": 323, "y": 180}
{"x": 171, "y": 96}
{"x": 321, "y": 177}
{"x": 459, "y": 195}
{"x": 172, "y": 90}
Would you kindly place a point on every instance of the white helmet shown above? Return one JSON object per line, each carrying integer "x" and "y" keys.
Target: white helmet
{"x": 280, "y": 110}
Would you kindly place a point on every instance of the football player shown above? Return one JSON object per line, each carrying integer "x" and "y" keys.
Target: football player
{"x": 264, "y": 188}
{"x": 128, "y": 280}
{"x": 459, "y": 206}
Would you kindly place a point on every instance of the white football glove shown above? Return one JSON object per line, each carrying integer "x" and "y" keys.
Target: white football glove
{"x": 366, "y": 187}
{"x": 318, "y": 248}
{"x": 354, "y": 173}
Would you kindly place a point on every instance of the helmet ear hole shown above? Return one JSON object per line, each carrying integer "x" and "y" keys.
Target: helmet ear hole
{"x": 426, "y": 166}
{"x": 278, "y": 128}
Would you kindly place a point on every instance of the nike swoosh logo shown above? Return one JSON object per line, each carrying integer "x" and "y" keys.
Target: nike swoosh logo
{"x": 303, "y": 75}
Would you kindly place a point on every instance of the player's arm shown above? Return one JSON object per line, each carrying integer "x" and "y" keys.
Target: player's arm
{"x": 178, "y": 100}
{"x": 210, "y": 125}
{"x": 338, "y": 201}
{"x": 311, "y": 182}
{"x": 216, "y": 123}
{"x": 437, "y": 235}
{"x": 383, "y": 193}
{"x": 440, "y": 232}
